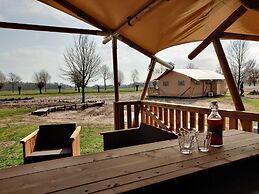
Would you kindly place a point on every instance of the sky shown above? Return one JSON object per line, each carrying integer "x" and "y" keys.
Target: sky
{"x": 26, "y": 52}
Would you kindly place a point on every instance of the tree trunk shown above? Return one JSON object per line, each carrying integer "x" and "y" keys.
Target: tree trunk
{"x": 78, "y": 89}
{"x": 40, "y": 90}
{"x": 83, "y": 94}
{"x": 12, "y": 87}
{"x": 104, "y": 80}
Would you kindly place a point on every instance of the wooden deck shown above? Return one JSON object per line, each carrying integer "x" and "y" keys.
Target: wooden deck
{"x": 156, "y": 167}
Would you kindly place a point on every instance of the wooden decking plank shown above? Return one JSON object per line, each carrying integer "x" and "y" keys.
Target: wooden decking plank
{"x": 62, "y": 163}
{"x": 73, "y": 180}
{"x": 118, "y": 167}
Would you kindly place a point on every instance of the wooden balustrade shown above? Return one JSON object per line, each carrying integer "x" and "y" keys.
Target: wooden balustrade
{"x": 126, "y": 114}
{"x": 171, "y": 117}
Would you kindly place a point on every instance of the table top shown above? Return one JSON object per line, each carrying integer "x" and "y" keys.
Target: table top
{"x": 124, "y": 169}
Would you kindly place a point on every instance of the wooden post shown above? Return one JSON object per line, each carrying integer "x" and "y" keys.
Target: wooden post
{"x": 228, "y": 75}
{"x": 115, "y": 69}
{"x": 116, "y": 83}
{"x": 151, "y": 69}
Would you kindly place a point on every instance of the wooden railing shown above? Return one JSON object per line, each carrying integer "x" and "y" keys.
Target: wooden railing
{"x": 171, "y": 117}
{"x": 126, "y": 114}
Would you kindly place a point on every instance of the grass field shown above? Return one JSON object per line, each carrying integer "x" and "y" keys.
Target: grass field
{"x": 11, "y": 149}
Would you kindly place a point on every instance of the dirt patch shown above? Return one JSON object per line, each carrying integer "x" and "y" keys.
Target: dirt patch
{"x": 94, "y": 117}
{"x": 6, "y": 144}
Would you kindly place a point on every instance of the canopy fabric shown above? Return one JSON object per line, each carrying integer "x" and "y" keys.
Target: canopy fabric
{"x": 164, "y": 23}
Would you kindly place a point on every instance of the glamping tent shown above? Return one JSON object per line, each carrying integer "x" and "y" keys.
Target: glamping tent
{"x": 188, "y": 83}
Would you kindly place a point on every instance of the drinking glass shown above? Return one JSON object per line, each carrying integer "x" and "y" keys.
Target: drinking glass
{"x": 203, "y": 141}
{"x": 186, "y": 140}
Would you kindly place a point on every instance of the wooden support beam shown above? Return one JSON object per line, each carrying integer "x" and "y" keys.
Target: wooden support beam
{"x": 228, "y": 75}
{"x": 84, "y": 16}
{"x": 81, "y": 14}
{"x": 218, "y": 31}
{"x": 51, "y": 29}
{"x": 151, "y": 69}
{"x": 227, "y": 35}
{"x": 115, "y": 69}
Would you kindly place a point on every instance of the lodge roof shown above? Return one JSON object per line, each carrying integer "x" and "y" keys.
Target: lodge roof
{"x": 196, "y": 74}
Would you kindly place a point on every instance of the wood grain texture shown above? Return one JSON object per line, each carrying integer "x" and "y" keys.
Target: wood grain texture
{"x": 126, "y": 169}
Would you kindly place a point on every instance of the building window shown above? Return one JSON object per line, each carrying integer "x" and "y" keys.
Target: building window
{"x": 165, "y": 83}
{"x": 181, "y": 83}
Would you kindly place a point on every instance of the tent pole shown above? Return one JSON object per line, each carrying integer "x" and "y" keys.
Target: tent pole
{"x": 227, "y": 35}
{"x": 115, "y": 69}
{"x": 151, "y": 69}
{"x": 218, "y": 31}
{"x": 228, "y": 75}
{"x": 116, "y": 84}
{"x": 51, "y": 29}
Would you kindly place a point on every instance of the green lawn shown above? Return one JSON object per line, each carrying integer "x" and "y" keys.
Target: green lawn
{"x": 11, "y": 149}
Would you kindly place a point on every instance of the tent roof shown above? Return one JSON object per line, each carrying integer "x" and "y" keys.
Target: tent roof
{"x": 162, "y": 23}
{"x": 196, "y": 74}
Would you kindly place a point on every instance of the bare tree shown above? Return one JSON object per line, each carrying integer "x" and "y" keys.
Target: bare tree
{"x": 134, "y": 76}
{"x": 75, "y": 79}
{"x": 252, "y": 76}
{"x": 38, "y": 81}
{"x": 2, "y": 80}
{"x": 45, "y": 78}
{"x": 120, "y": 77}
{"x": 105, "y": 74}
{"x": 82, "y": 61}
{"x": 237, "y": 56}
{"x": 159, "y": 69}
{"x": 13, "y": 79}
{"x": 191, "y": 66}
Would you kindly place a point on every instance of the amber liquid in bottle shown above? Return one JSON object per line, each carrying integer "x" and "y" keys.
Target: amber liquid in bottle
{"x": 215, "y": 126}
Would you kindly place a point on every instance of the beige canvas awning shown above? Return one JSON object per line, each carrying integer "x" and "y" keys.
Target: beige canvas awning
{"x": 162, "y": 23}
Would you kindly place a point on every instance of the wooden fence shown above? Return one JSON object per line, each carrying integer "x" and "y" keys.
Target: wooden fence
{"x": 171, "y": 117}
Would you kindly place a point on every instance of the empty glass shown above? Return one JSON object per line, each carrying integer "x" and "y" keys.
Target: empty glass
{"x": 186, "y": 140}
{"x": 203, "y": 141}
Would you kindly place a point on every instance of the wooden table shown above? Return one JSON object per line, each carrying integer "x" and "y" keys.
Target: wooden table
{"x": 155, "y": 167}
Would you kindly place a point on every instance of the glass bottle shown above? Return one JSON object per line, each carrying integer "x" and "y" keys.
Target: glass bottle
{"x": 215, "y": 125}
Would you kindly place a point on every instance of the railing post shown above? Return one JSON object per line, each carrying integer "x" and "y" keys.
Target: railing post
{"x": 166, "y": 116}
{"x": 192, "y": 119}
{"x": 201, "y": 122}
{"x": 172, "y": 120}
{"x": 185, "y": 119}
{"x": 129, "y": 119}
{"x": 233, "y": 123}
{"x": 136, "y": 115}
{"x": 178, "y": 120}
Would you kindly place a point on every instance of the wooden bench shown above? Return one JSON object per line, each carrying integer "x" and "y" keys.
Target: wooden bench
{"x": 51, "y": 142}
{"x": 135, "y": 136}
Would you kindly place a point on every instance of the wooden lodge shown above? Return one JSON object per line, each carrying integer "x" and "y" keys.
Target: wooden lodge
{"x": 188, "y": 83}
{"x": 155, "y": 166}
